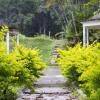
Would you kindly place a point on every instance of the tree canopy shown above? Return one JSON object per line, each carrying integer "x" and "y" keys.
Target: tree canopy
{"x": 33, "y": 17}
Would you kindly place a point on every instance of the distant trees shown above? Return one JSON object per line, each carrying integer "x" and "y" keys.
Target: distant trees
{"x": 70, "y": 13}
{"x": 30, "y": 16}
{"x": 19, "y": 69}
{"x": 18, "y": 12}
{"x": 44, "y": 16}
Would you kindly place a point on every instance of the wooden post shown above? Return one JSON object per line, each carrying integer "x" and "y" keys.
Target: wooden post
{"x": 84, "y": 36}
{"x": 17, "y": 39}
{"x": 7, "y": 42}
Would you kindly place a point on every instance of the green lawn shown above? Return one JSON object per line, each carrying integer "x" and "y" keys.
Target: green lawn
{"x": 44, "y": 44}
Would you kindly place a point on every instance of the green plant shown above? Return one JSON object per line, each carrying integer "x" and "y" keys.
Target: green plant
{"x": 81, "y": 65}
{"x": 18, "y": 69}
{"x": 68, "y": 61}
{"x": 91, "y": 76}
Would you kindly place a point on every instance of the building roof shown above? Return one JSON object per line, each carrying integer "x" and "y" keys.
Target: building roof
{"x": 14, "y": 32}
{"x": 12, "y": 27}
{"x": 93, "y": 22}
{"x": 95, "y": 17}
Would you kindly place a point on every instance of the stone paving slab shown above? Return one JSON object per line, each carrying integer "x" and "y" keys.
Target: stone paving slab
{"x": 53, "y": 96}
{"x": 52, "y": 78}
{"x": 52, "y": 90}
{"x": 57, "y": 80}
{"x": 51, "y": 71}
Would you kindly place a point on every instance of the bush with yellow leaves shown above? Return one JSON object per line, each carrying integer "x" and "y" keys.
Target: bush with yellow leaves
{"x": 82, "y": 66}
{"x": 18, "y": 69}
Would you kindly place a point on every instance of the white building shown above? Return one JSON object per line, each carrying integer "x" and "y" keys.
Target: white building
{"x": 92, "y": 23}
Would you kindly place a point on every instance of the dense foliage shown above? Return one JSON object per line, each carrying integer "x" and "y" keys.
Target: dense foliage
{"x": 29, "y": 16}
{"x": 18, "y": 69}
{"x": 44, "y": 16}
{"x": 82, "y": 66}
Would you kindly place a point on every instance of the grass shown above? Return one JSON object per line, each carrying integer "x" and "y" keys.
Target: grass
{"x": 44, "y": 44}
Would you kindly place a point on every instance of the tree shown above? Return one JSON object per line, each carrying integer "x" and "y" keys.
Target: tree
{"x": 44, "y": 16}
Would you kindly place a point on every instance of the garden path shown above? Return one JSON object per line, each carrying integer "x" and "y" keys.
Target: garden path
{"x": 51, "y": 86}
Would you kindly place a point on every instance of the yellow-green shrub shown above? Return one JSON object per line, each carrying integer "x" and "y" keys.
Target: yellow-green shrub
{"x": 69, "y": 61}
{"x": 3, "y": 30}
{"x": 82, "y": 65}
{"x": 20, "y": 68}
{"x": 30, "y": 59}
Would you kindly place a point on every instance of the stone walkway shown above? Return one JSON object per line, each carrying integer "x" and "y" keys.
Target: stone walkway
{"x": 52, "y": 86}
